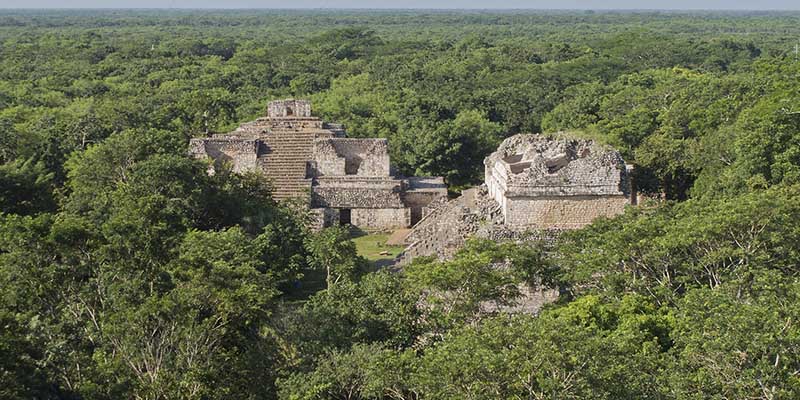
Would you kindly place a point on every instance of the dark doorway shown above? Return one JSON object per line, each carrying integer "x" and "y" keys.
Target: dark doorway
{"x": 289, "y": 111}
{"x": 351, "y": 165}
{"x": 344, "y": 216}
{"x": 416, "y": 215}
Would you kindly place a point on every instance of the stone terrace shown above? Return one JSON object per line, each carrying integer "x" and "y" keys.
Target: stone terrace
{"x": 342, "y": 180}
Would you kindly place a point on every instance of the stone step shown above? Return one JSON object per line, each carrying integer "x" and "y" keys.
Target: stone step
{"x": 284, "y": 166}
{"x": 296, "y": 159}
{"x": 288, "y": 164}
{"x": 284, "y": 151}
{"x": 297, "y": 192}
{"x": 286, "y": 172}
{"x": 285, "y": 162}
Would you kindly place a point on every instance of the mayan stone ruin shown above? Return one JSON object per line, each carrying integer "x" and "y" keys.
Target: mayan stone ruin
{"x": 342, "y": 180}
{"x": 556, "y": 184}
{"x": 535, "y": 187}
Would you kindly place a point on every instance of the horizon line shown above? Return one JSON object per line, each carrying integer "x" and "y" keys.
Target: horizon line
{"x": 396, "y": 9}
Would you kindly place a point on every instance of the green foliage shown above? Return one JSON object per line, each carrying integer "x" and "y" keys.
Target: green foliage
{"x": 332, "y": 250}
{"x": 26, "y": 187}
{"x": 734, "y": 345}
{"x": 663, "y": 252}
{"x": 365, "y": 372}
{"x": 19, "y": 376}
{"x": 591, "y": 349}
{"x": 447, "y": 149}
{"x": 481, "y": 275}
{"x": 127, "y": 272}
{"x": 375, "y": 310}
{"x": 153, "y": 280}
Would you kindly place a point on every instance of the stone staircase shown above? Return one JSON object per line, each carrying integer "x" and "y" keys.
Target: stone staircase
{"x": 442, "y": 232}
{"x": 447, "y": 227}
{"x": 284, "y": 158}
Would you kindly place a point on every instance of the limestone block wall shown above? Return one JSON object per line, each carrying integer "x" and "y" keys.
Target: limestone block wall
{"x": 356, "y": 192}
{"x": 343, "y": 156}
{"x": 323, "y": 217}
{"x": 355, "y": 198}
{"x": 294, "y": 124}
{"x": 418, "y": 202}
{"x": 568, "y": 212}
{"x": 382, "y": 219}
{"x": 327, "y": 162}
{"x": 289, "y": 108}
{"x": 241, "y": 154}
{"x": 495, "y": 179}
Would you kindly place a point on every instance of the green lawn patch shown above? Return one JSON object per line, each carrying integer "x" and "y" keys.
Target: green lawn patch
{"x": 373, "y": 247}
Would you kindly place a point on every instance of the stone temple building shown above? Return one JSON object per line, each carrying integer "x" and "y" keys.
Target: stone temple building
{"x": 342, "y": 180}
{"x": 535, "y": 187}
{"x": 556, "y": 184}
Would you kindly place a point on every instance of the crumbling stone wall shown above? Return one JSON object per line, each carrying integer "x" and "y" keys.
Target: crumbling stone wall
{"x": 561, "y": 183}
{"x": 380, "y": 219}
{"x": 361, "y": 157}
{"x": 326, "y": 161}
{"x": 289, "y": 108}
{"x": 561, "y": 212}
{"x": 535, "y": 188}
{"x": 241, "y": 155}
{"x": 357, "y": 192}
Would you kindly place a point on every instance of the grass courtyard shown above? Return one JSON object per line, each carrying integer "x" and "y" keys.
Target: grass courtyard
{"x": 373, "y": 247}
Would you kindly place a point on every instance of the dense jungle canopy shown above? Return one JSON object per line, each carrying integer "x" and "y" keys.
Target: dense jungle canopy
{"x": 128, "y": 272}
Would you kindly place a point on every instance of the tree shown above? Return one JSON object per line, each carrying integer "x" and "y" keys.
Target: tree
{"x": 26, "y": 187}
{"x": 483, "y": 276}
{"x": 332, "y": 250}
{"x": 662, "y": 252}
{"x": 734, "y": 345}
{"x": 449, "y": 149}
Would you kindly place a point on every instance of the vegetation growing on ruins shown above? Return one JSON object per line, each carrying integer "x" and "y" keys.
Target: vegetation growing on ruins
{"x": 128, "y": 272}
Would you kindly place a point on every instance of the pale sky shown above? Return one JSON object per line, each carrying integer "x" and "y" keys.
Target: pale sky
{"x": 429, "y": 4}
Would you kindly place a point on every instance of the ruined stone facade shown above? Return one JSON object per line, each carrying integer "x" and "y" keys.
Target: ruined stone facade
{"x": 556, "y": 184}
{"x": 343, "y": 180}
{"x": 535, "y": 188}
